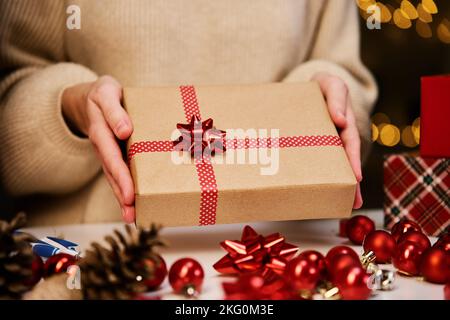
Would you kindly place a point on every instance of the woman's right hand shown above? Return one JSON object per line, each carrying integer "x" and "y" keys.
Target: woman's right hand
{"x": 94, "y": 110}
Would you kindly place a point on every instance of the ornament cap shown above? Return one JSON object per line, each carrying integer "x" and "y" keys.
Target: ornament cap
{"x": 367, "y": 258}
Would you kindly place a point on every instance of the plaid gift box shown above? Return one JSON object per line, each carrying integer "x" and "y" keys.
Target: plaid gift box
{"x": 417, "y": 188}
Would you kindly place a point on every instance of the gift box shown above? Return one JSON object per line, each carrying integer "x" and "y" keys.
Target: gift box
{"x": 417, "y": 188}
{"x": 257, "y": 153}
{"x": 435, "y": 117}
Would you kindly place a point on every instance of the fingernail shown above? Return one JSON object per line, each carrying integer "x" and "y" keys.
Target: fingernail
{"x": 123, "y": 213}
{"x": 121, "y": 127}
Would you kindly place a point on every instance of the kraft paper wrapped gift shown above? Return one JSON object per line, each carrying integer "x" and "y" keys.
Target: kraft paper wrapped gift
{"x": 301, "y": 172}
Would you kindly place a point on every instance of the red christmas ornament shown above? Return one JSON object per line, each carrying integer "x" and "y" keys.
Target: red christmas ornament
{"x": 435, "y": 265}
{"x": 443, "y": 242}
{"x": 352, "y": 283}
{"x": 159, "y": 273}
{"x": 340, "y": 262}
{"x": 58, "y": 264}
{"x": 447, "y": 291}
{"x": 37, "y": 270}
{"x": 343, "y": 228}
{"x": 255, "y": 253}
{"x": 381, "y": 243}
{"x": 417, "y": 237}
{"x": 338, "y": 250}
{"x": 407, "y": 257}
{"x": 305, "y": 271}
{"x": 358, "y": 227}
{"x": 404, "y": 226}
{"x": 186, "y": 276}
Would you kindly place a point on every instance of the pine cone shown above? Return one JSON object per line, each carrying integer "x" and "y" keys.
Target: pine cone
{"x": 16, "y": 258}
{"x": 117, "y": 272}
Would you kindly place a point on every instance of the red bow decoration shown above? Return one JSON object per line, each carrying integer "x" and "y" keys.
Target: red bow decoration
{"x": 255, "y": 253}
{"x": 198, "y": 136}
{"x": 254, "y": 286}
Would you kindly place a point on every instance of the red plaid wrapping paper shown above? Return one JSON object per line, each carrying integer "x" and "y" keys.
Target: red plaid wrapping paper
{"x": 418, "y": 189}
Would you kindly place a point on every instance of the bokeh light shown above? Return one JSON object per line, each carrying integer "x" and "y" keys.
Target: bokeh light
{"x": 401, "y": 19}
{"x": 389, "y": 135}
{"x": 415, "y": 128}
{"x": 423, "y": 29}
{"x": 408, "y": 138}
{"x": 424, "y": 15}
{"x": 409, "y": 10}
{"x": 379, "y": 118}
{"x": 443, "y": 31}
{"x": 429, "y": 6}
{"x": 375, "y": 132}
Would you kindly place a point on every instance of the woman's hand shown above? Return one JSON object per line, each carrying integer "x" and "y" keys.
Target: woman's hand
{"x": 94, "y": 110}
{"x": 339, "y": 105}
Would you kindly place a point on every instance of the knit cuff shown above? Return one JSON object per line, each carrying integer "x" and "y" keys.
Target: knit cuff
{"x": 43, "y": 155}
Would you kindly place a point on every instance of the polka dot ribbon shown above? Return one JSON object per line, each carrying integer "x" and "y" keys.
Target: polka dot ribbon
{"x": 203, "y": 165}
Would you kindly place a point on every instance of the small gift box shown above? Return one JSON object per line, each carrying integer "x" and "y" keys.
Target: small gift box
{"x": 225, "y": 154}
{"x": 417, "y": 188}
{"x": 435, "y": 117}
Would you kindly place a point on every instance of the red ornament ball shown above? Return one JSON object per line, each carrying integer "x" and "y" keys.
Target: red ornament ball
{"x": 159, "y": 273}
{"x": 58, "y": 264}
{"x": 358, "y": 227}
{"x": 186, "y": 276}
{"x": 37, "y": 270}
{"x": 435, "y": 265}
{"x": 338, "y": 250}
{"x": 417, "y": 237}
{"x": 382, "y": 244}
{"x": 343, "y": 228}
{"x": 305, "y": 271}
{"x": 352, "y": 283}
{"x": 404, "y": 226}
{"x": 339, "y": 263}
{"x": 447, "y": 291}
{"x": 443, "y": 242}
{"x": 407, "y": 257}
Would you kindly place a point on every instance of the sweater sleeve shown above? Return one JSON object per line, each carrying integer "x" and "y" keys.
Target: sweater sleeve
{"x": 335, "y": 49}
{"x": 39, "y": 152}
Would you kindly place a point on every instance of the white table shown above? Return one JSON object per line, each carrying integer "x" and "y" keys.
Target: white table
{"x": 202, "y": 243}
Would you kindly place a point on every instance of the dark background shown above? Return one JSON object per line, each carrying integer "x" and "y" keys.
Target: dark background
{"x": 397, "y": 58}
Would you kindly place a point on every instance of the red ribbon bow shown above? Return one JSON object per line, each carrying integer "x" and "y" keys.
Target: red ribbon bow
{"x": 199, "y": 137}
{"x": 254, "y": 286}
{"x": 255, "y": 252}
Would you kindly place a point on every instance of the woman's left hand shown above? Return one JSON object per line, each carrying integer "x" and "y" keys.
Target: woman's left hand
{"x": 339, "y": 104}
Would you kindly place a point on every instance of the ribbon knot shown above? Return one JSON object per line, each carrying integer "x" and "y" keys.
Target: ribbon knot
{"x": 255, "y": 252}
{"x": 200, "y": 138}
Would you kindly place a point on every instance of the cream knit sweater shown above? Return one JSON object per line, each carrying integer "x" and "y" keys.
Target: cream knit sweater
{"x": 144, "y": 43}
